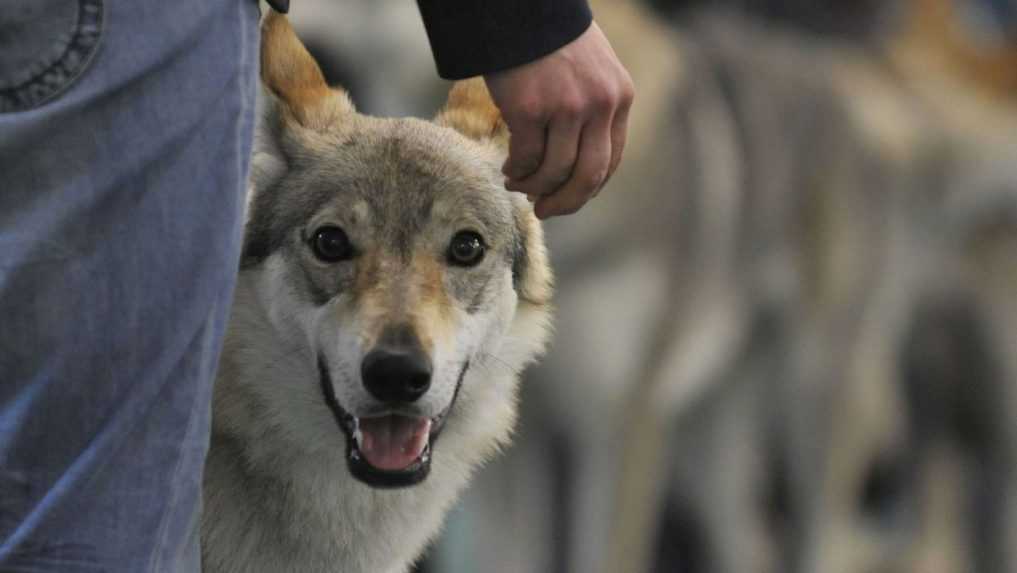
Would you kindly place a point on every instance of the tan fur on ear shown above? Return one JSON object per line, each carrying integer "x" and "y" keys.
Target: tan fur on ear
{"x": 531, "y": 268}
{"x": 289, "y": 71}
{"x": 471, "y": 111}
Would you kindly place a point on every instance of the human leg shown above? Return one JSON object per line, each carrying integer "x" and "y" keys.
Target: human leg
{"x": 120, "y": 215}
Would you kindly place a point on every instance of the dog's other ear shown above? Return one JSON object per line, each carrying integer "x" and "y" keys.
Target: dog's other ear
{"x": 531, "y": 269}
{"x": 471, "y": 111}
{"x": 289, "y": 71}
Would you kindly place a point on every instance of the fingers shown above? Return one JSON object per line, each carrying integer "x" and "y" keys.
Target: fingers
{"x": 558, "y": 160}
{"x": 567, "y": 113}
{"x": 526, "y": 147}
{"x": 619, "y": 129}
{"x": 584, "y": 148}
{"x": 590, "y": 171}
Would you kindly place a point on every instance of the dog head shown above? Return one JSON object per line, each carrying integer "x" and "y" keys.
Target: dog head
{"x": 391, "y": 264}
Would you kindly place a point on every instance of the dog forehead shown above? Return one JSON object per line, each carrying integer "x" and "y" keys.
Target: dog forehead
{"x": 408, "y": 171}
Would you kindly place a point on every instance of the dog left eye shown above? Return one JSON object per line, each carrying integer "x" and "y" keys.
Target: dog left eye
{"x": 466, "y": 249}
{"x": 330, "y": 244}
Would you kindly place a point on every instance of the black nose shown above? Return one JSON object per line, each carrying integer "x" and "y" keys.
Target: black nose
{"x": 396, "y": 373}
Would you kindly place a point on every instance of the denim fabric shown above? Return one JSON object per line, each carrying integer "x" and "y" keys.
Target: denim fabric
{"x": 121, "y": 198}
{"x": 44, "y": 46}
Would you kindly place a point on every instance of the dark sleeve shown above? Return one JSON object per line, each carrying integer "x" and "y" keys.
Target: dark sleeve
{"x": 473, "y": 37}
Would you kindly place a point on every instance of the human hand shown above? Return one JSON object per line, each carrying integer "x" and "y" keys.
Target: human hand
{"x": 568, "y": 114}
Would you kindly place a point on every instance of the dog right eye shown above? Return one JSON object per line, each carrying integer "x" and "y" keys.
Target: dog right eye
{"x": 466, "y": 249}
{"x": 330, "y": 244}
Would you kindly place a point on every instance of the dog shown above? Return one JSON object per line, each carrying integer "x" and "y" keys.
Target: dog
{"x": 390, "y": 291}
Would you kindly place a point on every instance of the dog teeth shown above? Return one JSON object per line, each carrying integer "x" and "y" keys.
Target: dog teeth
{"x": 358, "y": 436}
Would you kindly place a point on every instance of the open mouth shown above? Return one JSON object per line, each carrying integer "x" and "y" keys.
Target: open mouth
{"x": 390, "y": 450}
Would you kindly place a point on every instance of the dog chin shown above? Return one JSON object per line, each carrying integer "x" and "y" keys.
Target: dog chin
{"x": 390, "y": 450}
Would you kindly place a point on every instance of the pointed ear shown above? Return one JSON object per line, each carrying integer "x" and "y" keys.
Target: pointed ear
{"x": 531, "y": 268}
{"x": 471, "y": 111}
{"x": 289, "y": 71}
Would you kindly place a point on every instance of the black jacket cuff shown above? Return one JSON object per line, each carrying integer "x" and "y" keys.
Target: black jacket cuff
{"x": 474, "y": 37}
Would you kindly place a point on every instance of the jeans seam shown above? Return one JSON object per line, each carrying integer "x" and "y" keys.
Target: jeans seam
{"x": 58, "y": 77}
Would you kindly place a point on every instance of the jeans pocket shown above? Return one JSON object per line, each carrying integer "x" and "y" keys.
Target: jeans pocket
{"x": 45, "y": 45}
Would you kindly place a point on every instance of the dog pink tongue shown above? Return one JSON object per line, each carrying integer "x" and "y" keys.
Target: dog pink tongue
{"x": 393, "y": 443}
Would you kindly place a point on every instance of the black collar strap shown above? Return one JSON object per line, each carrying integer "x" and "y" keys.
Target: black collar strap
{"x": 280, "y": 6}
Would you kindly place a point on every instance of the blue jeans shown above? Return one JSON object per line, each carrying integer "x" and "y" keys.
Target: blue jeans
{"x": 125, "y": 131}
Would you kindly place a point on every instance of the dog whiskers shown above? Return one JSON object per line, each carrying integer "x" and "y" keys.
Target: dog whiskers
{"x": 487, "y": 360}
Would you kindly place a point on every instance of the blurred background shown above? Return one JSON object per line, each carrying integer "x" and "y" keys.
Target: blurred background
{"x": 787, "y": 330}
